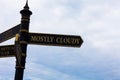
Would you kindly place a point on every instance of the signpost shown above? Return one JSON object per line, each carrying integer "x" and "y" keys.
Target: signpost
{"x": 23, "y": 38}
{"x": 7, "y": 51}
{"x": 9, "y": 33}
{"x": 55, "y": 40}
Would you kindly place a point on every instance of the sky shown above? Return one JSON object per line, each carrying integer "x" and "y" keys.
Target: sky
{"x": 96, "y": 21}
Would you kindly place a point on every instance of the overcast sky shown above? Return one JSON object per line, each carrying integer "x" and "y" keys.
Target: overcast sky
{"x": 96, "y": 21}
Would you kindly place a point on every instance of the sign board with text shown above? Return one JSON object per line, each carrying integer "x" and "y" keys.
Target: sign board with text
{"x": 55, "y": 40}
{"x": 7, "y": 51}
{"x": 9, "y": 33}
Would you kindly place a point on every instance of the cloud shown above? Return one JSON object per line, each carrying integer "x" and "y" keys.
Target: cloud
{"x": 96, "y": 21}
{"x": 7, "y": 68}
{"x": 47, "y": 73}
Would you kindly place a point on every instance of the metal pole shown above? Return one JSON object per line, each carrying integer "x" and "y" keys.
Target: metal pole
{"x": 21, "y": 43}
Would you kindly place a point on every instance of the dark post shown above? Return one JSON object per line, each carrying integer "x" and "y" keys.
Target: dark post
{"x": 21, "y": 44}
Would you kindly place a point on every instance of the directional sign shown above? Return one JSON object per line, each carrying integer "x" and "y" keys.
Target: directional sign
{"x": 7, "y": 51}
{"x": 9, "y": 33}
{"x": 55, "y": 40}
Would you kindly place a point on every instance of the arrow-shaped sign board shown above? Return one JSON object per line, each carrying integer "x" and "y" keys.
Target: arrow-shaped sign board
{"x": 55, "y": 40}
{"x": 7, "y": 51}
{"x": 9, "y": 33}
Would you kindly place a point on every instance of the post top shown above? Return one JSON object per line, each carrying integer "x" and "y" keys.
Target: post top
{"x": 26, "y": 6}
{"x": 26, "y": 10}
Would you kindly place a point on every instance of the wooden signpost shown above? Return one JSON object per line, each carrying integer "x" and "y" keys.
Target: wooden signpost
{"x": 23, "y": 38}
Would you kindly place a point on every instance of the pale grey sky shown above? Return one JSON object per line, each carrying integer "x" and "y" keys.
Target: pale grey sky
{"x": 96, "y": 21}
